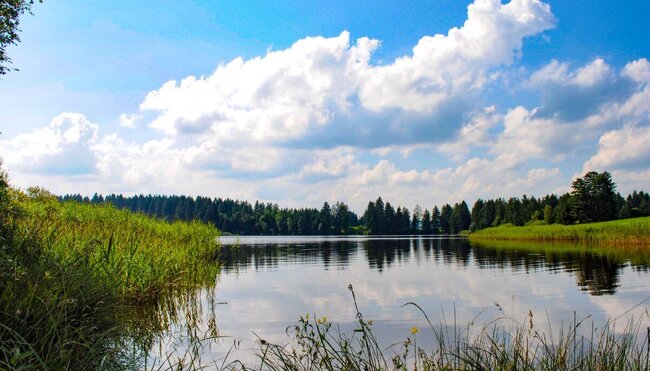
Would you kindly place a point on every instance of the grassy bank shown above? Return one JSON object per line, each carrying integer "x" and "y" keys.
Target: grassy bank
{"x": 634, "y": 231}
{"x": 138, "y": 256}
{"x": 68, "y": 272}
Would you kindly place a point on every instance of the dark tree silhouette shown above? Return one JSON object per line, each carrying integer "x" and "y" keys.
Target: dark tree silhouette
{"x": 594, "y": 197}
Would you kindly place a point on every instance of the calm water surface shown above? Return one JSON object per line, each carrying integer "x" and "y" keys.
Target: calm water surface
{"x": 267, "y": 283}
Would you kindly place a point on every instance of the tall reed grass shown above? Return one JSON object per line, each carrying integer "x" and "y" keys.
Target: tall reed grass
{"x": 70, "y": 273}
{"x": 138, "y": 256}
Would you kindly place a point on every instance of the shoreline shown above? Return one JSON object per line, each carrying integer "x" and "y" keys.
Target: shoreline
{"x": 624, "y": 232}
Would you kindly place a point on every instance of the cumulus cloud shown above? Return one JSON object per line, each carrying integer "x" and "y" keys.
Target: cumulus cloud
{"x": 626, "y": 148}
{"x": 578, "y": 106}
{"x": 327, "y": 87}
{"x": 129, "y": 121}
{"x": 445, "y": 65}
{"x": 62, "y": 147}
{"x": 503, "y": 176}
{"x": 329, "y": 164}
{"x": 595, "y": 72}
{"x": 277, "y": 96}
{"x": 574, "y": 95}
{"x": 638, "y": 70}
{"x": 475, "y": 133}
{"x": 526, "y": 136}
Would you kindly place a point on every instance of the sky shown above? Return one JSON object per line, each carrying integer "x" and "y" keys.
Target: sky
{"x": 297, "y": 102}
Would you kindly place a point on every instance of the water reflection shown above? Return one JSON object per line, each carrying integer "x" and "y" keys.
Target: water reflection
{"x": 267, "y": 283}
{"x": 596, "y": 270}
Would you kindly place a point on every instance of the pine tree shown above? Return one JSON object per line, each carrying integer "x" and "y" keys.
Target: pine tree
{"x": 445, "y": 219}
{"x": 415, "y": 224}
{"x": 427, "y": 227}
{"x": 435, "y": 220}
{"x": 594, "y": 197}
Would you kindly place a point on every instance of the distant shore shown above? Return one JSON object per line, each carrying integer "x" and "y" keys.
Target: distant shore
{"x": 635, "y": 231}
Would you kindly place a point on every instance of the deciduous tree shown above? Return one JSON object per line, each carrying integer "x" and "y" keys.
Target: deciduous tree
{"x": 10, "y": 12}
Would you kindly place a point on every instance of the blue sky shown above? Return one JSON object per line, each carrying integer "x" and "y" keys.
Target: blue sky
{"x": 287, "y": 105}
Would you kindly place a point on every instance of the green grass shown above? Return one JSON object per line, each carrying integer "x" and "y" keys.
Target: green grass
{"x": 137, "y": 255}
{"x": 70, "y": 273}
{"x": 617, "y": 232}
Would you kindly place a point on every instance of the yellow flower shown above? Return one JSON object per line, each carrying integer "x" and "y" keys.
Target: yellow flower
{"x": 414, "y": 330}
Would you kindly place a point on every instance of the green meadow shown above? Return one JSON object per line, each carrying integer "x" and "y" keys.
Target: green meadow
{"x": 631, "y": 232}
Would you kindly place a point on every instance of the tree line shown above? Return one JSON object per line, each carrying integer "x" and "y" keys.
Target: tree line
{"x": 380, "y": 218}
{"x": 593, "y": 198}
{"x": 236, "y": 217}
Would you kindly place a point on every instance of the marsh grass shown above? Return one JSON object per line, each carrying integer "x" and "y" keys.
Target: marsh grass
{"x": 70, "y": 274}
{"x": 501, "y": 344}
{"x": 635, "y": 231}
{"x": 139, "y": 256}
{"x": 53, "y": 316}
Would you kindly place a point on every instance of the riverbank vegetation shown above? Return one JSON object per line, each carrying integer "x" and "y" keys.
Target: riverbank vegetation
{"x": 140, "y": 256}
{"x": 634, "y": 231}
{"x": 68, "y": 271}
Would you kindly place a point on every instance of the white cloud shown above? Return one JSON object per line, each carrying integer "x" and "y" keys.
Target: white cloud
{"x": 591, "y": 74}
{"x": 580, "y": 106}
{"x": 475, "y": 133}
{"x": 638, "y": 70}
{"x": 274, "y": 97}
{"x": 129, "y": 121}
{"x": 626, "y": 148}
{"x": 526, "y": 137}
{"x": 324, "y": 164}
{"x": 574, "y": 95}
{"x": 446, "y": 65}
{"x": 553, "y": 72}
{"x": 62, "y": 147}
{"x": 630, "y": 180}
{"x": 313, "y": 85}
{"x": 504, "y": 176}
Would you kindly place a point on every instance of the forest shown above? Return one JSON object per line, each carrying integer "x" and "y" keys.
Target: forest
{"x": 593, "y": 198}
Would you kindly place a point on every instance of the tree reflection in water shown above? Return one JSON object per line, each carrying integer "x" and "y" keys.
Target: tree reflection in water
{"x": 184, "y": 319}
{"x": 596, "y": 270}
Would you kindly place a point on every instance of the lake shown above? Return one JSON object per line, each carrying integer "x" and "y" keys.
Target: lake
{"x": 268, "y": 283}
